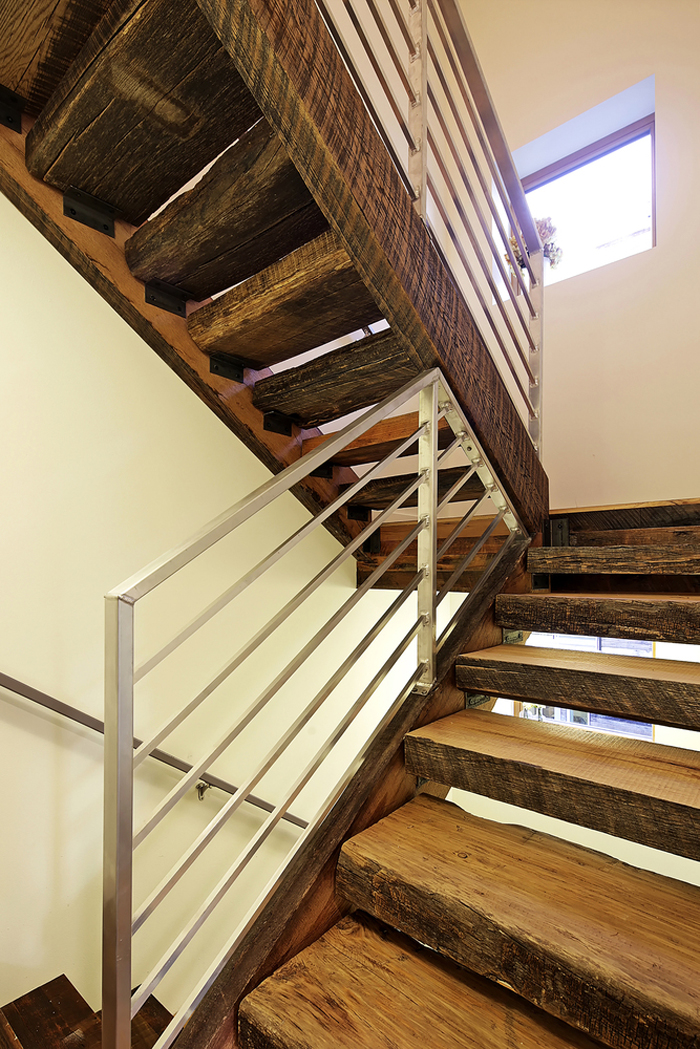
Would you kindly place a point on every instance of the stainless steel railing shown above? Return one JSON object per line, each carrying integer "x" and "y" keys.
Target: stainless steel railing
{"x": 416, "y": 69}
{"x": 475, "y": 495}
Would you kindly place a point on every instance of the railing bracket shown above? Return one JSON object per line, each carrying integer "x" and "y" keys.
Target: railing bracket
{"x": 89, "y": 210}
{"x": 277, "y": 422}
{"x": 167, "y": 297}
{"x": 202, "y": 788}
{"x": 11, "y": 106}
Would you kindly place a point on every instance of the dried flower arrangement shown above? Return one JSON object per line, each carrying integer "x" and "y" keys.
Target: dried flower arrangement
{"x": 547, "y": 232}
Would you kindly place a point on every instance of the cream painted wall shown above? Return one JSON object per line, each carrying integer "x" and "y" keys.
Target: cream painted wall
{"x": 622, "y": 367}
{"x": 108, "y": 461}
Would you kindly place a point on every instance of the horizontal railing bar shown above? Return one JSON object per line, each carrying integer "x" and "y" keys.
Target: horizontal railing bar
{"x": 272, "y": 624}
{"x": 366, "y": 98}
{"x": 473, "y": 594}
{"x": 88, "y": 721}
{"x": 461, "y": 525}
{"x": 467, "y": 560}
{"x": 163, "y": 567}
{"x": 495, "y": 251}
{"x": 185, "y": 1012}
{"x": 479, "y": 294}
{"x": 489, "y": 119}
{"x": 234, "y": 591}
{"x": 483, "y": 261}
{"x": 379, "y": 73}
{"x": 177, "y": 792}
{"x": 486, "y": 191}
{"x": 458, "y": 74}
{"x": 177, "y": 871}
{"x": 391, "y": 48}
{"x": 220, "y": 890}
{"x": 455, "y": 488}
{"x": 405, "y": 31}
{"x": 447, "y": 452}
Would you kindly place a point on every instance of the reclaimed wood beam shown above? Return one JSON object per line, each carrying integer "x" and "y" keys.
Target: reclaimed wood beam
{"x": 381, "y": 440}
{"x": 288, "y": 60}
{"x": 671, "y": 513}
{"x": 668, "y": 559}
{"x": 668, "y": 536}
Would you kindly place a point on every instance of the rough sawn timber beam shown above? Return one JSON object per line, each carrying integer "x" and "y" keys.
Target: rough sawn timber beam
{"x": 290, "y": 64}
{"x": 100, "y": 260}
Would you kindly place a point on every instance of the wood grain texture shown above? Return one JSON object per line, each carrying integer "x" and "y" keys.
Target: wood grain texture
{"x": 630, "y": 788}
{"x": 675, "y": 513}
{"x": 689, "y": 536}
{"x": 339, "y": 382}
{"x": 366, "y": 986}
{"x": 628, "y": 560}
{"x": 292, "y": 67}
{"x": 44, "y": 1017}
{"x": 381, "y": 492}
{"x": 662, "y": 691}
{"x": 652, "y": 618}
{"x": 248, "y": 210}
{"x": 146, "y": 1028}
{"x": 305, "y": 905}
{"x": 100, "y": 261}
{"x": 38, "y": 41}
{"x": 150, "y": 100}
{"x": 609, "y": 949}
{"x": 309, "y": 298}
{"x": 381, "y": 440}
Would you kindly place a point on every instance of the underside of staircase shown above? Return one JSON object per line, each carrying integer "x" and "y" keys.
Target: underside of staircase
{"x": 258, "y": 216}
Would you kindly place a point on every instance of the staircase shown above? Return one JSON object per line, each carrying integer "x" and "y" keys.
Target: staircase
{"x": 299, "y": 233}
{"x": 470, "y": 932}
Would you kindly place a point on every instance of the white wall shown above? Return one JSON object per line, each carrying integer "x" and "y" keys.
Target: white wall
{"x": 108, "y": 461}
{"x": 622, "y": 367}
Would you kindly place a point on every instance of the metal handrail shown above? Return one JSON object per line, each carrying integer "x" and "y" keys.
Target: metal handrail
{"x": 121, "y": 921}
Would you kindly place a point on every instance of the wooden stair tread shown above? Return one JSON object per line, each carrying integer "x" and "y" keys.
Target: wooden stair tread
{"x": 663, "y": 691}
{"x": 45, "y": 1016}
{"x": 381, "y": 440}
{"x": 630, "y": 788}
{"x": 339, "y": 382}
{"x": 381, "y": 492}
{"x": 131, "y": 137}
{"x": 688, "y": 536}
{"x": 38, "y": 41}
{"x": 642, "y": 560}
{"x": 653, "y": 617}
{"x": 364, "y": 985}
{"x": 308, "y": 298}
{"x": 604, "y": 946}
{"x": 248, "y": 210}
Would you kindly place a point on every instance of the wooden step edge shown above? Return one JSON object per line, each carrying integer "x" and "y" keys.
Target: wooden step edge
{"x": 365, "y": 986}
{"x": 630, "y": 788}
{"x": 605, "y": 947}
{"x": 662, "y": 536}
{"x": 660, "y": 691}
{"x": 380, "y": 440}
{"x": 620, "y": 560}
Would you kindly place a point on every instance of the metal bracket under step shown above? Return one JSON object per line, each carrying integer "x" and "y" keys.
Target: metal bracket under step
{"x": 11, "y": 106}
{"x": 475, "y": 699}
{"x": 89, "y": 211}
{"x": 359, "y": 513}
{"x": 277, "y": 422}
{"x": 228, "y": 367}
{"x": 373, "y": 545}
{"x": 541, "y": 581}
{"x": 513, "y": 637}
{"x": 325, "y": 471}
{"x": 167, "y": 297}
{"x": 560, "y": 531}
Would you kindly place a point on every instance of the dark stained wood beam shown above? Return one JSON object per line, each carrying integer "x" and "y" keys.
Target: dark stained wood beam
{"x": 38, "y": 41}
{"x": 339, "y": 382}
{"x": 650, "y": 618}
{"x": 661, "y": 691}
{"x": 150, "y": 101}
{"x": 249, "y": 209}
{"x": 291, "y": 65}
{"x": 310, "y": 297}
{"x": 689, "y": 536}
{"x": 681, "y": 559}
{"x": 676, "y": 513}
{"x": 381, "y": 440}
{"x": 606, "y": 947}
{"x": 100, "y": 261}
{"x": 630, "y": 788}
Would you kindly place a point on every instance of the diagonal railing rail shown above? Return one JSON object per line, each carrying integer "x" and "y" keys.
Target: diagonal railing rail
{"x": 431, "y": 572}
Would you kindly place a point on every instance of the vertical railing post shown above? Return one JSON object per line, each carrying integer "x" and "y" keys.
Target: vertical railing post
{"x": 536, "y": 356}
{"x": 427, "y": 539}
{"x": 118, "y": 823}
{"x": 418, "y": 112}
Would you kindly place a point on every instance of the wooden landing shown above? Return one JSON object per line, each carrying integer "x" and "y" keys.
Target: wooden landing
{"x": 630, "y": 788}
{"x": 652, "y": 618}
{"x": 365, "y": 986}
{"x": 601, "y": 945}
{"x": 663, "y": 691}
